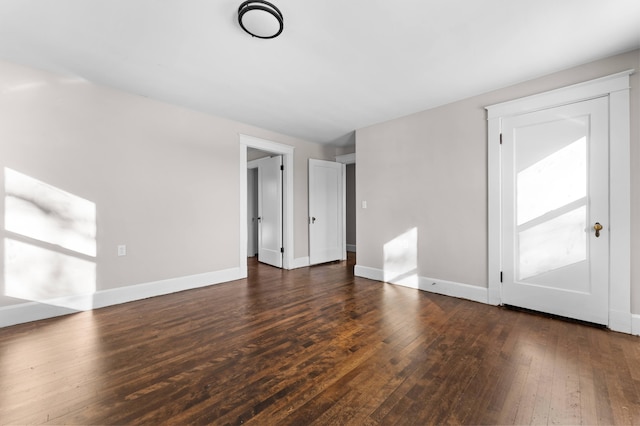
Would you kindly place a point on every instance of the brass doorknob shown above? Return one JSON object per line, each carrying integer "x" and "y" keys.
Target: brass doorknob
{"x": 598, "y": 228}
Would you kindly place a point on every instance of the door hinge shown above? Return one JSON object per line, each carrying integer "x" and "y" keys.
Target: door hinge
{"x": 500, "y": 138}
{"x": 500, "y": 276}
{"x": 281, "y": 167}
{"x": 281, "y": 249}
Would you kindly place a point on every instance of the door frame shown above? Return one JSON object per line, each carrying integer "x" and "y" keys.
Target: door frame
{"x": 287, "y": 212}
{"x": 345, "y": 159}
{"x": 258, "y": 166}
{"x": 616, "y": 88}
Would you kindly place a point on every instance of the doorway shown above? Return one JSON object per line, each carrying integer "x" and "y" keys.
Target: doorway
{"x": 264, "y": 208}
{"x": 350, "y": 236}
{"x": 502, "y": 118}
{"x": 555, "y": 208}
{"x": 350, "y": 207}
{"x": 286, "y": 152}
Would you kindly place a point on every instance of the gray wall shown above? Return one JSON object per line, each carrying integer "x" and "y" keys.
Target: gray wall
{"x": 428, "y": 171}
{"x": 252, "y": 212}
{"x": 165, "y": 180}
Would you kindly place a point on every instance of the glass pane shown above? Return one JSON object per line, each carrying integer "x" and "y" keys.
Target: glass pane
{"x": 551, "y": 195}
{"x": 553, "y": 182}
{"x": 553, "y": 244}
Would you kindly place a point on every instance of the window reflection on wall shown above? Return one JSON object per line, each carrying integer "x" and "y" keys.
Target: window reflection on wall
{"x": 50, "y": 249}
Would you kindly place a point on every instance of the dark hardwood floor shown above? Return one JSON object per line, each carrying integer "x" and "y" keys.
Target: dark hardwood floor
{"x": 315, "y": 346}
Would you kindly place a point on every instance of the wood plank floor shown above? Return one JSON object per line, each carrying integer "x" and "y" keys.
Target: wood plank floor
{"x": 315, "y": 346}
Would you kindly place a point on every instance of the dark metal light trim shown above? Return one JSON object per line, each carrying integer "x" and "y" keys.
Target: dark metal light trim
{"x": 264, "y": 6}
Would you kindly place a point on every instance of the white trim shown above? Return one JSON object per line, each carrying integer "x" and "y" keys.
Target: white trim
{"x": 253, "y": 164}
{"x": 158, "y": 288}
{"x": 635, "y": 325}
{"x": 367, "y": 272}
{"x": 431, "y": 285}
{"x": 562, "y": 96}
{"x": 287, "y": 153}
{"x": 30, "y": 311}
{"x": 346, "y": 159}
{"x": 616, "y": 87}
{"x": 494, "y": 213}
{"x": 300, "y": 262}
{"x": 244, "y": 231}
{"x": 34, "y": 311}
{"x": 351, "y": 248}
{"x": 343, "y": 173}
{"x": 620, "y": 211}
{"x": 450, "y": 288}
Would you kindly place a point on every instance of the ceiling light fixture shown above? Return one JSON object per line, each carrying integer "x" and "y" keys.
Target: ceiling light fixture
{"x": 260, "y": 19}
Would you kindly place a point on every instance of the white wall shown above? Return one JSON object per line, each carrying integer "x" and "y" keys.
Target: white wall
{"x": 164, "y": 179}
{"x": 424, "y": 177}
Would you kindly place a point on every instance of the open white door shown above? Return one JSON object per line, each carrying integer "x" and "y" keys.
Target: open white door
{"x": 326, "y": 211}
{"x": 270, "y": 211}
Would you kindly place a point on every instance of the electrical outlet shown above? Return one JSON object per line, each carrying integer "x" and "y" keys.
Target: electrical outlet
{"x": 122, "y": 250}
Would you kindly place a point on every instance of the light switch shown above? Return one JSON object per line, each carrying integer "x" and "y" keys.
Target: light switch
{"x": 364, "y": 204}
{"x": 122, "y": 250}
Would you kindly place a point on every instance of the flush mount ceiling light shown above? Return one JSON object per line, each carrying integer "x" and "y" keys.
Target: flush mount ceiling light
{"x": 260, "y": 19}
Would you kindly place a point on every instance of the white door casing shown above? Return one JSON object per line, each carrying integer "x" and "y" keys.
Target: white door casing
{"x": 326, "y": 211}
{"x": 554, "y": 189}
{"x": 616, "y": 88}
{"x": 252, "y": 212}
{"x": 270, "y": 211}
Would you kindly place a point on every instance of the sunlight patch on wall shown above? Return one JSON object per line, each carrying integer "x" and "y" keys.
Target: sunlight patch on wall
{"x": 35, "y": 273}
{"x": 43, "y": 212}
{"x": 50, "y": 250}
{"x": 401, "y": 259}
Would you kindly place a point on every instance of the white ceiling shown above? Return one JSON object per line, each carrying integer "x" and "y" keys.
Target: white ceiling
{"x": 338, "y": 66}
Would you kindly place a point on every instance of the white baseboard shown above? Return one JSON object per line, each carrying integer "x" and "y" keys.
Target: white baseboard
{"x": 635, "y": 324}
{"x": 34, "y": 311}
{"x": 351, "y": 248}
{"x": 618, "y": 321}
{"x": 447, "y": 288}
{"x": 30, "y": 311}
{"x": 158, "y": 288}
{"x": 300, "y": 262}
{"x": 621, "y": 321}
{"x": 450, "y": 288}
{"x": 370, "y": 273}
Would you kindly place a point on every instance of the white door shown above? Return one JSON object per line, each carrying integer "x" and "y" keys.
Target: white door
{"x": 270, "y": 211}
{"x": 554, "y": 194}
{"x": 326, "y": 212}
